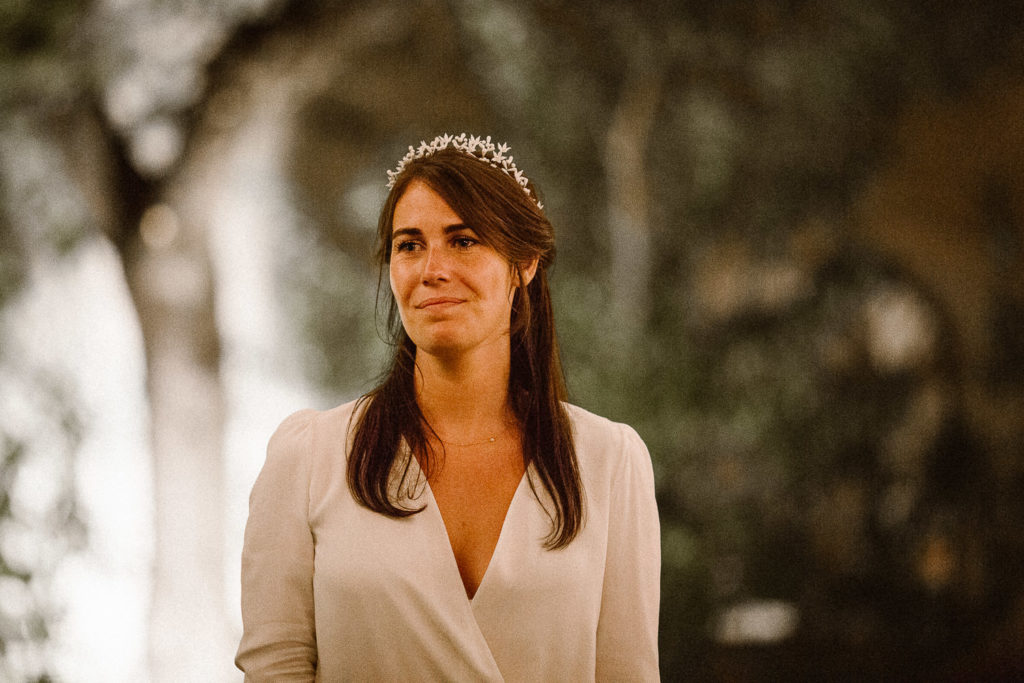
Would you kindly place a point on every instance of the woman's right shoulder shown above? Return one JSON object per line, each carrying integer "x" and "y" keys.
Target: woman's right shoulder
{"x": 303, "y": 428}
{"x": 294, "y": 425}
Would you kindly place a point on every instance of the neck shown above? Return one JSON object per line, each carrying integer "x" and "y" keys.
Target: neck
{"x": 464, "y": 398}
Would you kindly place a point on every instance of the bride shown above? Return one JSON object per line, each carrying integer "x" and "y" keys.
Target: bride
{"x": 461, "y": 521}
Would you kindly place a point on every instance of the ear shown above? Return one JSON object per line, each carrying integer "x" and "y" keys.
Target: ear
{"x": 527, "y": 270}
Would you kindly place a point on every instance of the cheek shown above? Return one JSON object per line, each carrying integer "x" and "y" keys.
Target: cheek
{"x": 395, "y": 281}
{"x": 503, "y": 289}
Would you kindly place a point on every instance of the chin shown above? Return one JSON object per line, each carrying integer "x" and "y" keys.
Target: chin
{"x": 437, "y": 341}
{"x": 447, "y": 341}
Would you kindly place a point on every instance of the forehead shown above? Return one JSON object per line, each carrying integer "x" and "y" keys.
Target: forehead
{"x": 421, "y": 207}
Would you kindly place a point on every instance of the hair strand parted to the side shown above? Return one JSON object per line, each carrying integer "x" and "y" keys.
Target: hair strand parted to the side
{"x": 510, "y": 221}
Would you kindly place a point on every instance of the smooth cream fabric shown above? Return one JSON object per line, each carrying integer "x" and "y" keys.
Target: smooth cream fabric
{"x": 334, "y": 592}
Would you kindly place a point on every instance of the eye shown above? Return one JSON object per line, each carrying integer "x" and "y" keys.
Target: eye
{"x": 464, "y": 242}
{"x": 406, "y": 245}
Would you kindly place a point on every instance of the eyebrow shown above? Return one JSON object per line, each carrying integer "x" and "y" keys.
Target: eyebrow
{"x": 416, "y": 232}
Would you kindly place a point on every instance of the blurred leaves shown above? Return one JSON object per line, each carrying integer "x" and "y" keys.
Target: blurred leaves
{"x": 38, "y": 45}
{"x": 41, "y": 217}
{"x": 12, "y": 260}
{"x": 39, "y": 523}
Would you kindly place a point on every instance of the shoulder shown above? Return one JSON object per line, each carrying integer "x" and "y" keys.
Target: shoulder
{"x": 307, "y": 446}
{"x": 298, "y": 434}
{"x": 581, "y": 417}
{"x": 604, "y": 445}
{"x": 590, "y": 427}
{"x": 302, "y": 421}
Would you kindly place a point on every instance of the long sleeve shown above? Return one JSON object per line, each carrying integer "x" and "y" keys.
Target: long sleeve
{"x": 627, "y": 633}
{"x": 279, "y": 639}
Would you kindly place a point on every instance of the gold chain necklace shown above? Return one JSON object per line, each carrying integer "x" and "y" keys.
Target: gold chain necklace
{"x": 488, "y": 440}
{"x": 491, "y": 439}
{"x": 467, "y": 445}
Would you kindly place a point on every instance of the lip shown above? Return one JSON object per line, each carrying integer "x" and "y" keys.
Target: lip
{"x": 438, "y": 301}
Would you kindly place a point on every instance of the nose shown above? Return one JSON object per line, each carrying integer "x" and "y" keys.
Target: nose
{"x": 435, "y": 266}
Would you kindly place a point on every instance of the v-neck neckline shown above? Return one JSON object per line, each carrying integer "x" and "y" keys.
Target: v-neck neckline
{"x": 439, "y": 525}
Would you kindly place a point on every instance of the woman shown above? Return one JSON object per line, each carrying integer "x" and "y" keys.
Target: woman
{"x": 461, "y": 522}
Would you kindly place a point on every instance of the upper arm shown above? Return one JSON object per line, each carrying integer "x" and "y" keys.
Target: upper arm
{"x": 279, "y": 639}
{"x": 627, "y": 634}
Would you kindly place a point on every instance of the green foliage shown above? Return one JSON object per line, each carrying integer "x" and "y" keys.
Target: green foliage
{"x": 12, "y": 261}
{"x": 39, "y": 523}
{"x": 38, "y": 215}
{"x": 327, "y": 295}
{"x": 37, "y": 41}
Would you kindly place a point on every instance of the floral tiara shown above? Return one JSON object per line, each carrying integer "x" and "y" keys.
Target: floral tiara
{"x": 492, "y": 154}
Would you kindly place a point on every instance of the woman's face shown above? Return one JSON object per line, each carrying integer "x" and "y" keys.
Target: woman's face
{"x": 454, "y": 293}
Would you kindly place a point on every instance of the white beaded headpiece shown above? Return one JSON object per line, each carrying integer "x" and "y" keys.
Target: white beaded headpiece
{"x": 482, "y": 149}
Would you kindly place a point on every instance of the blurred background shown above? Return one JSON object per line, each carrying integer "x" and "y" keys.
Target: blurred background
{"x": 791, "y": 254}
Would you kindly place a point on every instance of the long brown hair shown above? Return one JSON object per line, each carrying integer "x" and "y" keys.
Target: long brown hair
{"x": 507, "y": 219}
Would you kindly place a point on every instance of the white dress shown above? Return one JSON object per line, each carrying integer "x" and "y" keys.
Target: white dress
{"x": 332, "y": 591}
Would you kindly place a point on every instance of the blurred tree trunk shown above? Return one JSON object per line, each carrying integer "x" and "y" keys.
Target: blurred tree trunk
{"x": 170, "y": 278}
{"x": 628, "y": 201}
{"x": 161, "y": 227}
{"x": 171, "y": 281}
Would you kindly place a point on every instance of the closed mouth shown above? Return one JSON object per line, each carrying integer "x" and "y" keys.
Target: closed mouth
{"x": 438, "y": 301}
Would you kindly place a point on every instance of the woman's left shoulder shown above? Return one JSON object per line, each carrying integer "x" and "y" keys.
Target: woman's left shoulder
{"x": 586, "y": 423}
{"x": 600, "y": 441}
